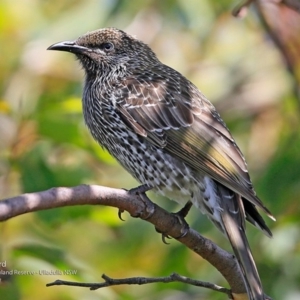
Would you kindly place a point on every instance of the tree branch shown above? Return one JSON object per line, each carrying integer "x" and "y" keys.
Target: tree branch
{"x": 137, "y": 206}
{"x": 108, "y": 281}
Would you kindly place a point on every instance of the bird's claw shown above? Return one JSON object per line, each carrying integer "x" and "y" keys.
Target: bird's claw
{"x": 141, "y": 189}
{"x": 183, "y": 232}
{"x": 163, "y": 236}
{"x": 180, "y": 215}
{"x": 120, "y": 211}
{"x": 185, "y": 226}
{"x": 149, "y": 209}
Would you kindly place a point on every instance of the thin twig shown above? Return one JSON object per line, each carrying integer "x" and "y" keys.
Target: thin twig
{"x": 174, "y": 277}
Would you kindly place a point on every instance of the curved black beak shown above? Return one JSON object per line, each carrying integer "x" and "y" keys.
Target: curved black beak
{"x": 69, "y": 46}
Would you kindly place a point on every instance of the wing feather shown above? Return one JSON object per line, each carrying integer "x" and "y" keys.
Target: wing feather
{"x": 174, "y": 115}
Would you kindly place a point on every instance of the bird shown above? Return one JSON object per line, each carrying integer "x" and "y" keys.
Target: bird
{"x": 168, "y": 135}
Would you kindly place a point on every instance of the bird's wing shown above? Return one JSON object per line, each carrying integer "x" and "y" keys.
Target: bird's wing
{"x": 170, "y": 112}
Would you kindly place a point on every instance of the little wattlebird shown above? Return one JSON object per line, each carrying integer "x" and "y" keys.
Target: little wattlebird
{"x": 164, "y": 132}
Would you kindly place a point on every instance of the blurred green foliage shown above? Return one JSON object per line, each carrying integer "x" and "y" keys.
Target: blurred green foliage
{"x": 44, "y": 143}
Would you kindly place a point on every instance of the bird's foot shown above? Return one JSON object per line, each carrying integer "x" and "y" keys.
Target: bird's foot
{"x": 141, "y": 189}
{"x": 138, "y": 191}
{"x": 180, "y": 215}
{"x": 163, "y": 236}
{"x": 149, "y": 209}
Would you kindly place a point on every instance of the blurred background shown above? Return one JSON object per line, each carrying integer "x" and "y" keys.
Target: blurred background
{"x": 44, "y": 143}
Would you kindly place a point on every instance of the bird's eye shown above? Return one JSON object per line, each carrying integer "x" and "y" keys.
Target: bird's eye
{"x": 107, "y": 46}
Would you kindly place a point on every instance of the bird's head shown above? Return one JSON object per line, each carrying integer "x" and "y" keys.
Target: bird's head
{"x": 108, "y": 50}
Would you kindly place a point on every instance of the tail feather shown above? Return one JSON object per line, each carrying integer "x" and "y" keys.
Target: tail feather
{"x": 255, "y": 218}
{"x": 233, "y": 216}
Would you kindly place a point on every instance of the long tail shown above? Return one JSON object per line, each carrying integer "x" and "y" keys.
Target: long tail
{"x": 232, "y": 216}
